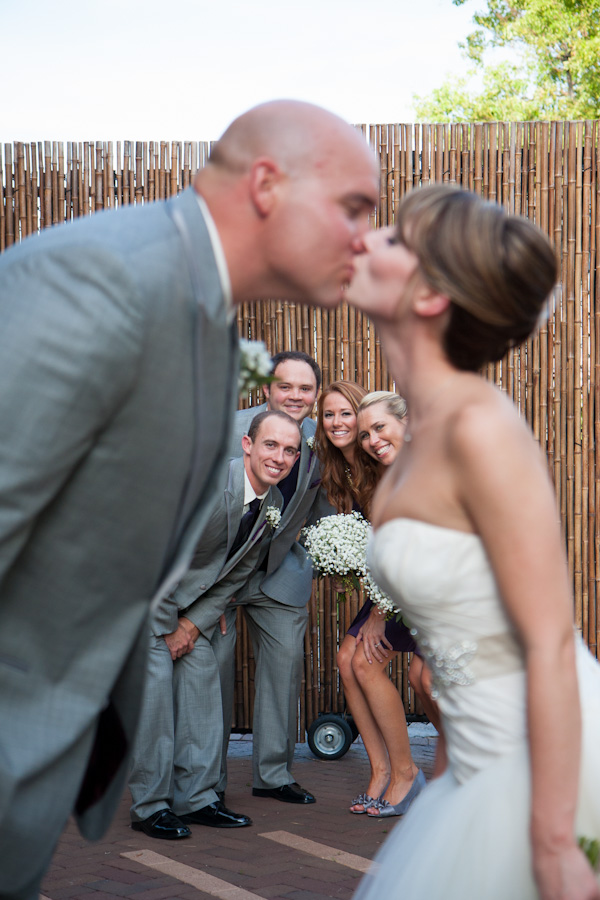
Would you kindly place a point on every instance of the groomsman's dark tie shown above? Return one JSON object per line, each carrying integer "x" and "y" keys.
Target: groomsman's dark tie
{"x": 246, "y": 526}
{"x": 288, "y": 485}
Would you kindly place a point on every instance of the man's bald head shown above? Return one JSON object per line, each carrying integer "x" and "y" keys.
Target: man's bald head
{"x": 290, "y": 187}
{"x": 296, "y": 135}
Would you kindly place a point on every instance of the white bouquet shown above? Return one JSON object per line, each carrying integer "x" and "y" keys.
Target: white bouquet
{"x": 379, "y": 598}
{"x": 337, "y": 546}
{"x": 255, "y": 366}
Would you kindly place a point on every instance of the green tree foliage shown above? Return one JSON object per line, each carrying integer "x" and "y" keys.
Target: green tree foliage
{"x": 557, "y": 75}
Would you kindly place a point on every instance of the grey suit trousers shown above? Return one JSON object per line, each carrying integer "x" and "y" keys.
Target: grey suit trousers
{"x": 181, "y": 720}
{"x": 277, "y": 635}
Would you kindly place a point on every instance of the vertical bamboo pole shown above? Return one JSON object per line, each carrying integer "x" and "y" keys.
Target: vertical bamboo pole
{"x": 21, "y": 195}
{"x": 453, "y": 156}
{"x": 541, "y": 401}
{"x": 585, "y": 154}
{"x": 562, "y": 359}
{"x": 86, "y": 203}
{"x": 141, "y": 178}
{"x": 121, "y": 173}
{"x": 592, "y": 472}
{"x": 70, "y": 179}
{"x": 397, "y": 175}
{"x": 426, "y": 165}
{"x": 571, "y": 359}
{"x": 47, "y": 184}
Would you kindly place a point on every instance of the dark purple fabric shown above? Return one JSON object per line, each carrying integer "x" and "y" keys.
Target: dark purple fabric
{"x": 246, "y": 525}
{"x": 396, "y": 632}
{"x": 288, "y": 485}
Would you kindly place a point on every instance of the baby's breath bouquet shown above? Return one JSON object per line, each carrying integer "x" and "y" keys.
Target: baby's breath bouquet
{"x": 381, "y": 600}
{"x": 337, "y": 546}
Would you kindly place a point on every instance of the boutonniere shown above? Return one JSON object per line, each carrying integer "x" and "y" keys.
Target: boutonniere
{"x": 273, "y": 516}
{"x": 312, "y": 458}
{"x": 255, "y": 366}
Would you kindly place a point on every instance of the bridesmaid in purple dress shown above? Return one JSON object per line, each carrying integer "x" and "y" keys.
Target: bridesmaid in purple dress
{"x": 350, "y": 475}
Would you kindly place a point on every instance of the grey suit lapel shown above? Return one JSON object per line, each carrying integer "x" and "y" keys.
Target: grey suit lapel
{"x": 234, "y": 499}
{"x": 215, "y": 365}
{"x": 308, "y": 461}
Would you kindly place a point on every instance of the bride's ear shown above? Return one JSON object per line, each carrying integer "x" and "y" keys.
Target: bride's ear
{"x": 428, "y": 303}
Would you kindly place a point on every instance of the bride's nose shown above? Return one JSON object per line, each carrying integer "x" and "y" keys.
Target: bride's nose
{"x": 379, "y": 237}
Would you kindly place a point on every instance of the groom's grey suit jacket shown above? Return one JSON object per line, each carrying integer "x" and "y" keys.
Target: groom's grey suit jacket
{"x": 213, "y": 579}
{"x": 118, "y": 373}
{"x": 289, "y": 572}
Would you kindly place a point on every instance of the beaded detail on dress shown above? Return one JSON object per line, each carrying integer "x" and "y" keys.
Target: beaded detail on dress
{"x": 449, "y": 665}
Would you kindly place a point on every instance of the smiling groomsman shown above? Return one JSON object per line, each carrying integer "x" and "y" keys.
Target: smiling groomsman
{"x": 177, "y": 754}
{"x": 275, "y": 597}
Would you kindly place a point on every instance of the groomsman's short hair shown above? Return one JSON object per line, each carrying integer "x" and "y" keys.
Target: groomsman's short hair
{"x": 266, "y": 414}
{"x": 301, "y": 356}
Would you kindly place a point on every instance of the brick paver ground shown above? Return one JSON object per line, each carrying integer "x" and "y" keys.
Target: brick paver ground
{"x": 242, "y": 862}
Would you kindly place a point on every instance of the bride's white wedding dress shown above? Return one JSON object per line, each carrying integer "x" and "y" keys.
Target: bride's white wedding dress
{"x": 467, "y": 835}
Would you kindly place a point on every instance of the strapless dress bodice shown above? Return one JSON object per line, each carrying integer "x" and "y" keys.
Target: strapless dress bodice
{"x": 442, "y": 581}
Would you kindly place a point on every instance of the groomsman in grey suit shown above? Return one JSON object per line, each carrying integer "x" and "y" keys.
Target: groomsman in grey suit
{"x": 118, "y": 365}
{"x": 275, "y": 597}
{"x": 177, "y": 755}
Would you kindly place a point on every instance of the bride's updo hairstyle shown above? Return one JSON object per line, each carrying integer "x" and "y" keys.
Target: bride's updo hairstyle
{"x": 496, "y": 269}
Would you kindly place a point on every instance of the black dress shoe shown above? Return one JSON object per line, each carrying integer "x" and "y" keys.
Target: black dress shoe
{"x": 163, "y": 824}
{"x": 217, "y": 816}
{"x": 221, "y": 796}
{"x": 288, "y": 793}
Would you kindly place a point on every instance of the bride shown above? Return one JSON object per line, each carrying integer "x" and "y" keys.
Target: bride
{"x": 467, "y": 542}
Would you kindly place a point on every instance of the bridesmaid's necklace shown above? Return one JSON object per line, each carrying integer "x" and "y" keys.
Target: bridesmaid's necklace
{"x": 435, "y": 396}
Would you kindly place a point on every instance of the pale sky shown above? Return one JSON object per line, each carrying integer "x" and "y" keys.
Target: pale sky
{"x": 88, "y": 70}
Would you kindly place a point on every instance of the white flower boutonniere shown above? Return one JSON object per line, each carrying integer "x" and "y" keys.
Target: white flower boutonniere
{"x": 310, "y": 442}
{"x": 255, "y": 366}
{"x": 273, "y": 516}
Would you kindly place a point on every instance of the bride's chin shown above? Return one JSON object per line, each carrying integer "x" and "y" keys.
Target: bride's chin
{"x": 366, "y": 301}
{"x": 379, "y": 313}
{"x": 379, "y": 304}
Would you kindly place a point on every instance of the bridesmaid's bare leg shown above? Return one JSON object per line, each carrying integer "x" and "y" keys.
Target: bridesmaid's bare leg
{"x": 364, "y": 720}
{"x": 387, "y": 709}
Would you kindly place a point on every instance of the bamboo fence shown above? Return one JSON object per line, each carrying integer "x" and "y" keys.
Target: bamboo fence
{"x": 549, "y": 172}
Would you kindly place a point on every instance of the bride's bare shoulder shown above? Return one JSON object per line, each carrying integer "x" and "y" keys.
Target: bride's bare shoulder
{"x": 486, "y": 423}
